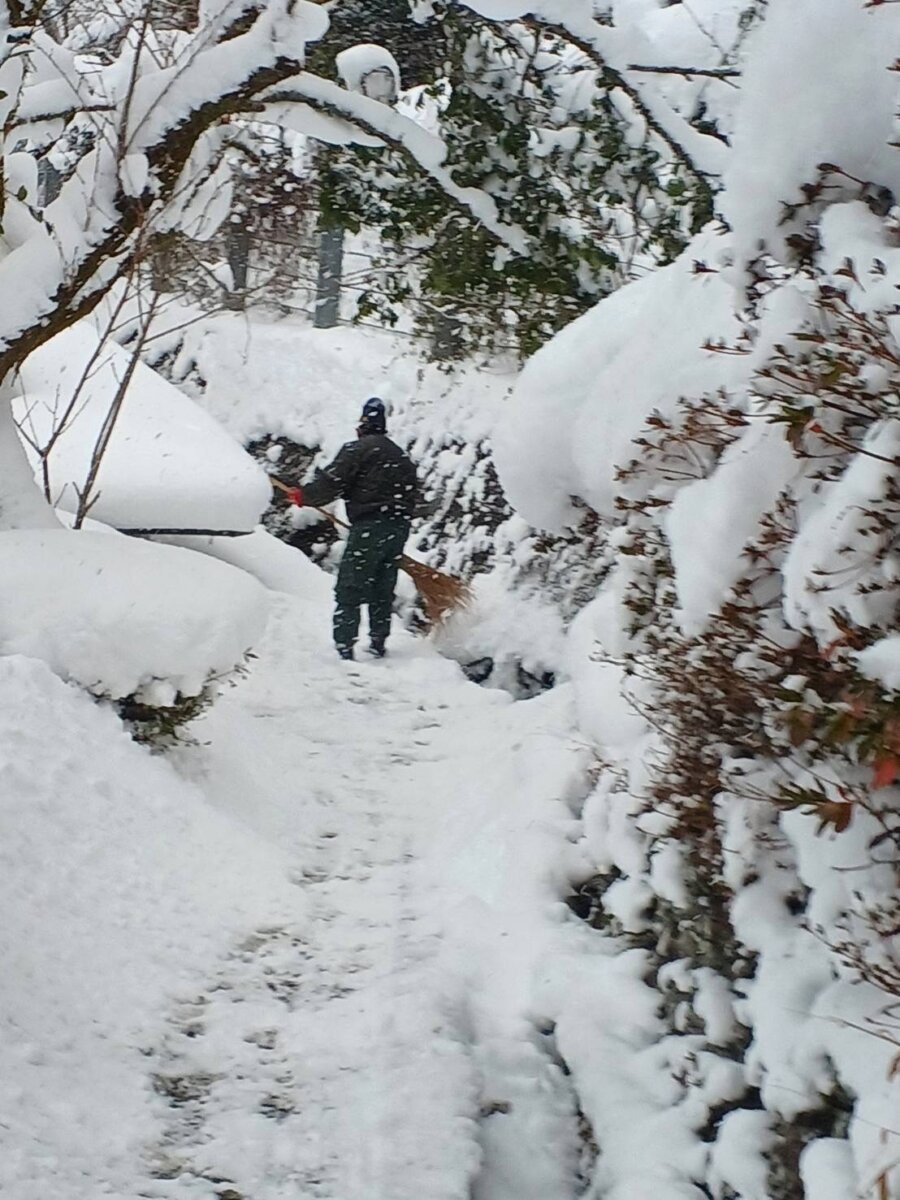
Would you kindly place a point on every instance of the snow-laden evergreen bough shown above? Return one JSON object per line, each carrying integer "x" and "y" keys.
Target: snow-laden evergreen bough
{"x": 601, "y": 134}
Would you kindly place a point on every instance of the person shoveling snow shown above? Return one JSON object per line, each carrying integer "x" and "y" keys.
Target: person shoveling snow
{"x": 379, "y": 484}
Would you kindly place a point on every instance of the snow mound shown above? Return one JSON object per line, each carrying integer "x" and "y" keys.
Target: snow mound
{"x": 117, "y": 886}
{"x": 168, "y": 464}
{"x": 277, "y": 566}
{"x": 838, "y": 58}
{"x": 584, "y": 397}
{"x": 122, "y": 617}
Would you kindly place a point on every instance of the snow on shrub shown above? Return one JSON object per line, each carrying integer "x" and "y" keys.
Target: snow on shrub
{"x": 124, "y": 618}
{"x": 733, "y": 421}
{"x": 584, "y": 397}
{"x": 817, "y": 88}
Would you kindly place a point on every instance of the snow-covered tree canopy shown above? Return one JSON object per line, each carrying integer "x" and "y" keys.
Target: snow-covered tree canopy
{"x": 135, "y": 125}
{"x": 127, "y": 112}
{"x": 589, "y": 136}
{"x": 115, "y": 126}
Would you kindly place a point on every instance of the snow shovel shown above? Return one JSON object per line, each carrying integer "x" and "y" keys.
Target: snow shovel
{"x": 441, "y": 594}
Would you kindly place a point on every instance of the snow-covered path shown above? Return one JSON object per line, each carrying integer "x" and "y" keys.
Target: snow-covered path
{"x": 343, "y": 1056}
{"x": 298, "y": 959}
{"x": 337, "y": 1066}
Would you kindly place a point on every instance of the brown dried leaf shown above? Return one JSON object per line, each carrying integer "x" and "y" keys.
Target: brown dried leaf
{"x": 835, "y": 814}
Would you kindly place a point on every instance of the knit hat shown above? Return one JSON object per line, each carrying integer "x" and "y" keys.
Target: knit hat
{"x": 373, "y": 418}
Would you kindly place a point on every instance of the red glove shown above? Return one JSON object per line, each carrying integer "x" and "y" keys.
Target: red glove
{"x": 295, "y": 496}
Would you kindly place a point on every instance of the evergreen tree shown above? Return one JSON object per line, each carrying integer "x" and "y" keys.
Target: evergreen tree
{"x": 418, "y": 45}
{"x": 530, "y": 120}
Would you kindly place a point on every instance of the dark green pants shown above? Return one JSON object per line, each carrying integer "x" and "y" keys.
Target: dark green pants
{"x": 368, "y": 575}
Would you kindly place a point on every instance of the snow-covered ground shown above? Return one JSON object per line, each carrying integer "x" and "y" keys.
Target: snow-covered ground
{"x": 297, "y": 960}
{"x": 331, "y": 949}
{"x": 326, "y": 952}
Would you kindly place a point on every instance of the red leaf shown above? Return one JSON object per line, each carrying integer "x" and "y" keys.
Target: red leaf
{"x": 827, "y": 652}
{"x": 833, "y": 813}
{"x": 886, "y": 770}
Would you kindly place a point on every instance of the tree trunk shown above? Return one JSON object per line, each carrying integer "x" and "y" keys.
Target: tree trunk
{"x": 446, "y": 337}
{"x": 238, "y": 242}
{"x": 328, "y": 287}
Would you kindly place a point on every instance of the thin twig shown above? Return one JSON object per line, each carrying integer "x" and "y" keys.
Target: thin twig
{"x": 710, "y": 72}
{"x": 103, "y": 439}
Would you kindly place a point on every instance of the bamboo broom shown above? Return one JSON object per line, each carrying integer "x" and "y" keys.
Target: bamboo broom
{"x": 442, "y": 594}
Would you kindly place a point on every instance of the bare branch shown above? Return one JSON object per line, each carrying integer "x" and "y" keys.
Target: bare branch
{"x": 75, "y": 399}
{"x": 85, "y": 500}
{"x": 688, "y": 72}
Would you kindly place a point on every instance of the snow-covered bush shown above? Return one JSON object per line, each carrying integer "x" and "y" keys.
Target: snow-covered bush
{"x": 166, "y": 463}
{"x": 152, "y": 628}
{"x": 733, "y": 421}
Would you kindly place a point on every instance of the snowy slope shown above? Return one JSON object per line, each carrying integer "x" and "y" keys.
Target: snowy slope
{"x": 118, "y": 891}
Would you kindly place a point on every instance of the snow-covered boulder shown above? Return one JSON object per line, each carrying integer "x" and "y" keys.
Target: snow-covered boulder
{"x": 168, "y": 464}
{"x": 123, "y": 617}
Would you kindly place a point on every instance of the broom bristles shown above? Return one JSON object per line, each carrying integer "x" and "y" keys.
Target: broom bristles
{"x": 441, "y": 594}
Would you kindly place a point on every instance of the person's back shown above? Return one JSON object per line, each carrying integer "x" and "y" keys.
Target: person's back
{"x": 379, "y": 485}
{"x": 384, "y": 481}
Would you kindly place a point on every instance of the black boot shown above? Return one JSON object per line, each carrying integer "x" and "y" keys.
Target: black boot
{"x": 346, "y": 653}
{"x": 377, "y": 649}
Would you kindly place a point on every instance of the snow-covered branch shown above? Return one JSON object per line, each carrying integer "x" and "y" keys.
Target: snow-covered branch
{"x": 703, "y": 155}
{"x": 687, "y": 72}
{"x": 427, "y": 151}
{"x": 63, "y": 260}
{"x": 141, "y": 125}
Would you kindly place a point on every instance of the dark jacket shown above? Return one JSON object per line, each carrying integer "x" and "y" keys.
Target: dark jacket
{"x": 374, "y": 476}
